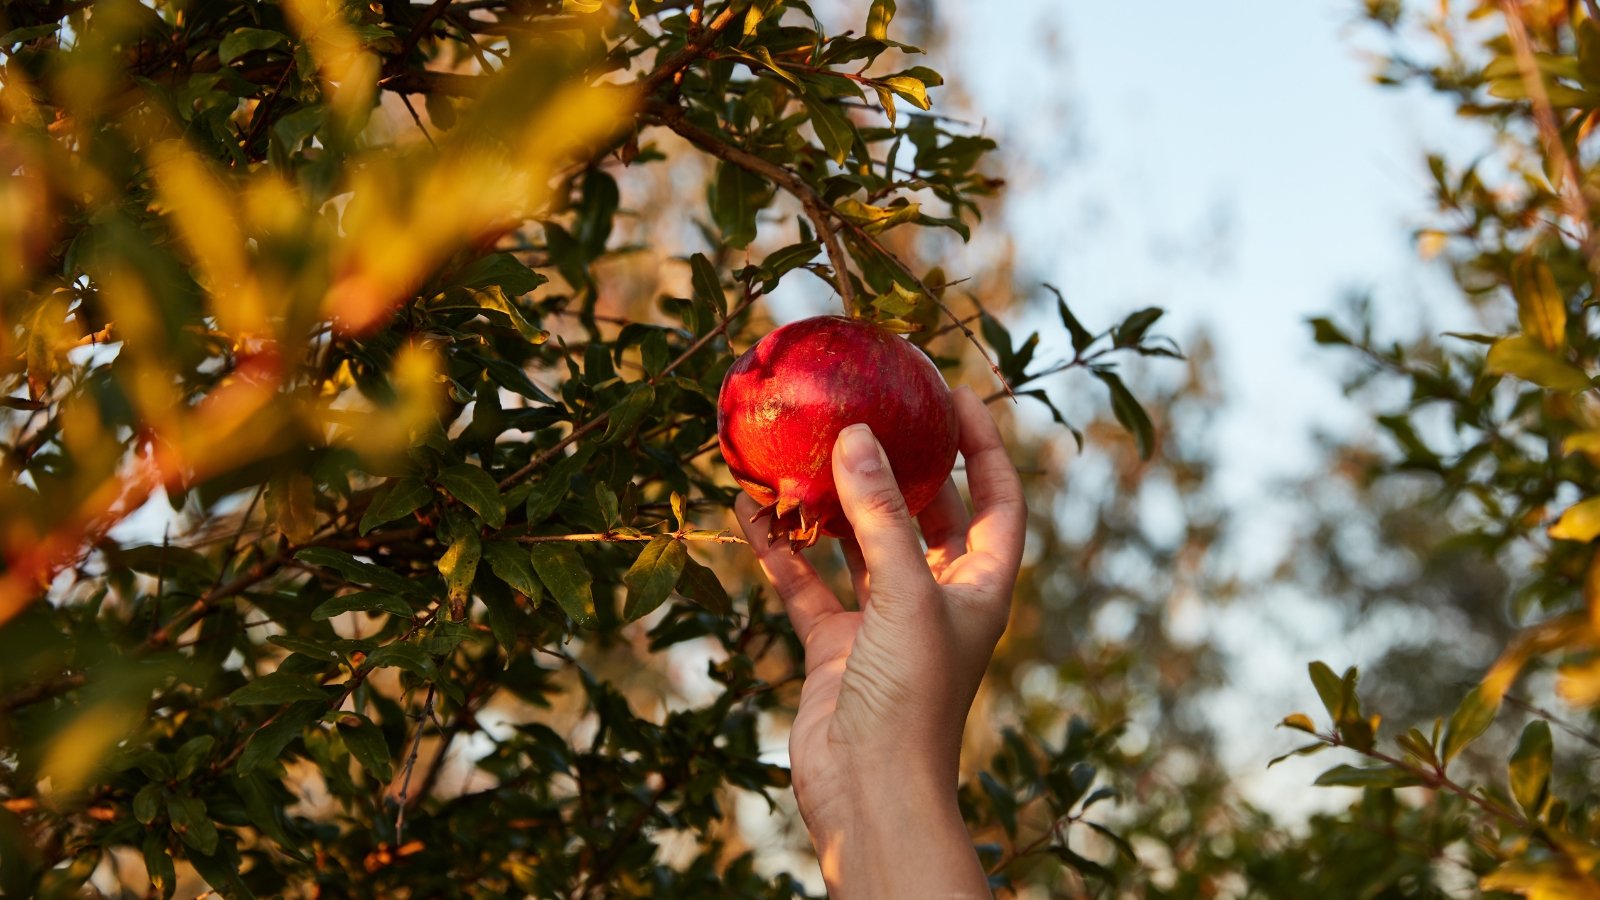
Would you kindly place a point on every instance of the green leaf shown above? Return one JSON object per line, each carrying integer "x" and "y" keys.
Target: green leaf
{"x": 737, "y": 196}
{"x": 510, "y": 563}
{"x": 358, "y": 572}
{"x": 399, "y": 498}
{"x": 1330, "y": 688}
{"x": 1471, "y": 719}
{"x": 477, "y": 489}
{"x": 707, "y": 285}
{"x": 366, "y": 601}
{"x": 1525, "y": 358}
{"x": 1129, "y": 413}
{"x": 193, "y": 752}
{"x": 1081, "y": 338}
{"x": 190, "y": 821}
{"x": 1383, "y": 776}
{"x": 701, "y": 585}
{"x": 221, "y": 872}
{"x": 1133, "y": 328}
{"x": 1003, "y": 801}
{"x": 1529, "y": 768}
{"x": 402, "y": 655}
{"x": 1124, "y": 849}
{"x": 833, "y": 129}
{"x": 159, "y": 867}
{"x": 277, "y": 688}
{"x": 566, "y": 577}
{"x": 248, "y": 40}
{"x": 626, "y": 415}
{"x": 652, "y": 576}
{"x": 1323, "y": 331}
{"x": 1306, "y": 750}
{"x": 365, "y": 742}
{"x": 147, "y": 803}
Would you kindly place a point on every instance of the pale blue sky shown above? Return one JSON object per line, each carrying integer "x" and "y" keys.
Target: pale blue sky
{"x": 1233, "y": 162}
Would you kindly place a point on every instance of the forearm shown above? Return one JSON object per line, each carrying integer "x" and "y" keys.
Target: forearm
{"x": 898, "y": 840}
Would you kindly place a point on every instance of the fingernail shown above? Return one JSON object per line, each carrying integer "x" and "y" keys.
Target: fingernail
{"x": 860, "y": 450}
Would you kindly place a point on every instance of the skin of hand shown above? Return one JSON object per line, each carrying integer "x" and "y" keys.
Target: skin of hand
{"x": 876, "y": 741}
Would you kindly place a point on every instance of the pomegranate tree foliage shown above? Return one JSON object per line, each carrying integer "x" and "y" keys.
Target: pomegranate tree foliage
{"x": 343, "y": 287}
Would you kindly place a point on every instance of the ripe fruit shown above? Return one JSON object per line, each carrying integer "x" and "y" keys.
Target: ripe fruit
{"x": 784, "y": 402}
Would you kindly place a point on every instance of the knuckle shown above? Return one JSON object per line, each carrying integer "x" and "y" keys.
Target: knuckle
{"x": 883, "y": 503}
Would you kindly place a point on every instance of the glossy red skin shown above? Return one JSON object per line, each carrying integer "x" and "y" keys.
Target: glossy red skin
{"x": 784, "y": 402}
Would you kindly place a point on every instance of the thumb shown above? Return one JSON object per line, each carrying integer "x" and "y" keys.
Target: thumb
{"x": 877, "y": 512}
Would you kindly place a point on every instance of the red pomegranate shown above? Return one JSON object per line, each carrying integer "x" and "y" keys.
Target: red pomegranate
{"x": 784, "y": 402}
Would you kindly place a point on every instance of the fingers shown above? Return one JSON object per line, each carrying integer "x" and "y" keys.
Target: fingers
{"x": 999, "y": 519}
{"x": 805, "y": 598}
{"x": 944, "y": 527}
{"x": 877, "y": 513}
{"x": 860, "y": 579}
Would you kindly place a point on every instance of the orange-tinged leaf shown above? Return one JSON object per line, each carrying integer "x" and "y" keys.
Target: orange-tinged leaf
{"x": 1581, "y": 522}
{"x": 1524, "y": 357}
{"x": 1540, "y": 306}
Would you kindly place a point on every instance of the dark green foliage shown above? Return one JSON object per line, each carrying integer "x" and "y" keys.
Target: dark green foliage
{"x": 334, "y": 283}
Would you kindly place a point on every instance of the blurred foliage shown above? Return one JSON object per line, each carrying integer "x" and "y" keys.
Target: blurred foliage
{"x": 357, "y": 419}
{"x": 1478, "y": 512}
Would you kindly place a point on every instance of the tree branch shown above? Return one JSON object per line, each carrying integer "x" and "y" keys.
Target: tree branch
{"x": 592, "y": 425}
{"x": 609, "y": 537}
{"x": 817, "y": 209}
{"x": 691, "y": 51}
{"x": 1570, "y": 190}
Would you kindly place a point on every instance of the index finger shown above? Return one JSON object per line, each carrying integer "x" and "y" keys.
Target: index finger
{"x": 999, "y": 519}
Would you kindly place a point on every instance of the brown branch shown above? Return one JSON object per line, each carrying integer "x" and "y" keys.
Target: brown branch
{"x": 429, "y": 16}
{"x": 817, "y": 209}
{"x": 861, "y": 234}
{"x": 609, "y": 537}
{"x": 698, "y": 45}
{"x": 1570, "y": 191}
{"x": 411, "y": 762}
{"x": 592, "y": 425}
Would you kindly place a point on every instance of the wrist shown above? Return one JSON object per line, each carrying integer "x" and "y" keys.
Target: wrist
{"x": 895, "y": 833}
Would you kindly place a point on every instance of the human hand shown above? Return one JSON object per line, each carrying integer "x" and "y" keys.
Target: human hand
{"x": 876, "y": 742}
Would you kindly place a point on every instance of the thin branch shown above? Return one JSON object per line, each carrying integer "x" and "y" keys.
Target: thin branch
{"x": 861, "y": 234}
{"x": 609, "y": 537}
{"x": 698, "y": 45}
{"x": 429, "y": 16}
{"x": 1551, "y": 717}
{"x": 817, "y": 209}
{"x": 594, "y": 424}
{"x": 411, "y": 762}
{"x": 1571, "y": 188}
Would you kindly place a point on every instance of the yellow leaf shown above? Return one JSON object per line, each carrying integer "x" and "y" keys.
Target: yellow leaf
{"x": 1431, "y": 243}
{"x": 1524, "y": 357}
{"x": 1550, "y": 879}
{"x": 1585, "y": 442}
{"x": 1579, "y": 683}
{"x": 1581, "y": 522}
{"x": 1540, "y": 306}
{"x": 1299, "y": 722}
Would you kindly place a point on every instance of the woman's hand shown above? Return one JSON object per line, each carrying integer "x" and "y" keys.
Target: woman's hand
{"x": 876, "y": 743}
